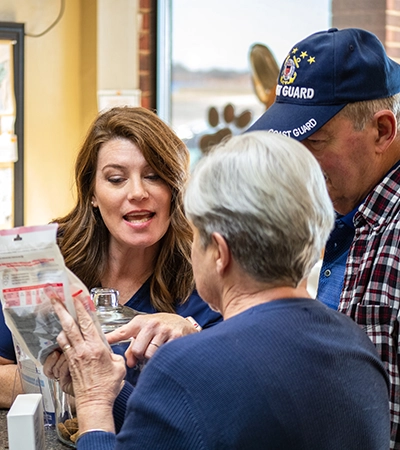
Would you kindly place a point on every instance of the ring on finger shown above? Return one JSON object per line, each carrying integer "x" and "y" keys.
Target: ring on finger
{"x": 66, "y": 347}
{"x": 156, "y": 345}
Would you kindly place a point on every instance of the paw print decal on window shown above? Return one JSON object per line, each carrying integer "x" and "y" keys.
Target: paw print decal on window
{"x": 224, "y": 125}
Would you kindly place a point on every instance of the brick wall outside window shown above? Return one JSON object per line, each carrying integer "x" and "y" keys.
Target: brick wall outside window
{"x": 147, "y": 52}
{"x": 381, "y": 17}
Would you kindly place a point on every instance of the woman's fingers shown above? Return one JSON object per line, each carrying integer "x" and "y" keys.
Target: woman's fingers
{"x": 151, "y": 332}
{"x": 86, "y": 323}
{"x": 64, "y": 377}
{"x": 50, "y": 364}
{"x": 148, "y": 333}
{"x": 148, "y": 329}
{"x": 148, "y": 341}
{"x": 68, "y": 324}
{"x": 60, "y": 369}
{"x": 56, "y": 368}
{"x": 84, "y": 330}
{"x": 124, "y": 332}
{"x": 131, "y": 359}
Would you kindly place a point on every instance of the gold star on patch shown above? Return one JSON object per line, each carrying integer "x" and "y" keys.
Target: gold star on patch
{"x": 303, "y": 54}
{"x": 295, "y": 50}
{"x": 311, "y": 59}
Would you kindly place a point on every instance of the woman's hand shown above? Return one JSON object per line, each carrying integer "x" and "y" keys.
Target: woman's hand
{"x": 56, "y": 368}
{"x": 95, "y": 371}
{"x": 148, "y": 332}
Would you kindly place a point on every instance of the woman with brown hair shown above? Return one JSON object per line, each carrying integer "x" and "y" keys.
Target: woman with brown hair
{"x": 128, "y": 230}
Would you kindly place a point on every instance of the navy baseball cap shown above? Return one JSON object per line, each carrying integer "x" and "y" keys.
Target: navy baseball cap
{"x": 322, "y": 74}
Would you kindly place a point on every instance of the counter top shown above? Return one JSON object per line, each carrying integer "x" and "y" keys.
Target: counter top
{"x": 52, "y": 442}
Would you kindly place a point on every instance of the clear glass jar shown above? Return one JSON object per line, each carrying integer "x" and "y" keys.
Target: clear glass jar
{"x": 111, "y": 315}
{"x": 66, "y": 420}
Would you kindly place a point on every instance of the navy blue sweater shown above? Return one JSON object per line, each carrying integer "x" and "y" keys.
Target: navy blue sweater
{"x": 289, "y": 374}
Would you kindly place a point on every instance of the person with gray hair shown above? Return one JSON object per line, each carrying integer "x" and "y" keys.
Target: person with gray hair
{"x": 256, "y": 218}
{"x": 282, "y": 371}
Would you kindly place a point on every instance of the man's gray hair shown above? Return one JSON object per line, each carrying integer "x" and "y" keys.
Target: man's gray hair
{"x": 266, "y": 195}
{"x": 360, "y": 113}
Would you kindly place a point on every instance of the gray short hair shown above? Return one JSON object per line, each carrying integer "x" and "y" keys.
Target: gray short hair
{"x": 360, "y": 113}
{"x": 266, "y": 195}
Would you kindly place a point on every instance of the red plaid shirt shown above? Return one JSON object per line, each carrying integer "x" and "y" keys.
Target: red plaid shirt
{"x": 371, "y": 290}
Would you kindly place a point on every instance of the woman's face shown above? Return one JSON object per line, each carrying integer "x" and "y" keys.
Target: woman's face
{"x": 133, "y": 200}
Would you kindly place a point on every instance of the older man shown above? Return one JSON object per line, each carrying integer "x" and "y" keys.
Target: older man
{"x": 338, "y": 93}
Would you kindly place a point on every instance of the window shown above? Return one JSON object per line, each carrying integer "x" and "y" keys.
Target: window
{"x": 206, "y": 84}
{"x": 11, "y": 124}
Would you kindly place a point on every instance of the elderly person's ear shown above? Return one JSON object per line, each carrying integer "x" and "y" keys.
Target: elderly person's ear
{"x": 386, "y": 124}
{"x": 223, "y": 256}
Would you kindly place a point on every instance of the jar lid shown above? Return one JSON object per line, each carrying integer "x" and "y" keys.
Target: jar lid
{"x": 104, "y": 297}
{"x": 110, "y": 313}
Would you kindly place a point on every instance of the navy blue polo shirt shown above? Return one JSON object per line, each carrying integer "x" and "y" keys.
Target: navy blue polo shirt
{"x": 334, "y": 263}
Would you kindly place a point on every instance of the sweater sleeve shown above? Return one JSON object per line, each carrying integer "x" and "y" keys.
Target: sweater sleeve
{"x": 161, "y": 414}
{"x": 99, "y": 440}
{"x": 120, "y": 403}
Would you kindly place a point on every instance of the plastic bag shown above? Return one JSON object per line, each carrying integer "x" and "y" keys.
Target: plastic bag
{"x": 31, "y": 263}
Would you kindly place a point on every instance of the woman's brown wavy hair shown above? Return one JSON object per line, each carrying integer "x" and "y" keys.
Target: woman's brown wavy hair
{"x": 83, "y": 236}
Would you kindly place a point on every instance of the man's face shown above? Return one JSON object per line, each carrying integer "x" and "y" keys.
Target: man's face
{"x": 348, "y": 160}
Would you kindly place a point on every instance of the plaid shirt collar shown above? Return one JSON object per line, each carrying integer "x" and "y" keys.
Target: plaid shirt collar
{"x": 380, "y": 203}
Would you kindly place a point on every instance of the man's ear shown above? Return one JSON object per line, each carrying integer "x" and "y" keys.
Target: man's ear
{"x": 222, "y": 253}
{"x": 387, "y": 129}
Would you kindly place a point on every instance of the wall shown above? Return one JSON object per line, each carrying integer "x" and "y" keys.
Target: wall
{"x": 56, "y": 111}
{"x": 60, "y": 98}
{"x": 117, "y": 64}
{"x": 88, "y": 63}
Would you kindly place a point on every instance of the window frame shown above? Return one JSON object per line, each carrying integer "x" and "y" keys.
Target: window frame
{"x": 15, "y": 32}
